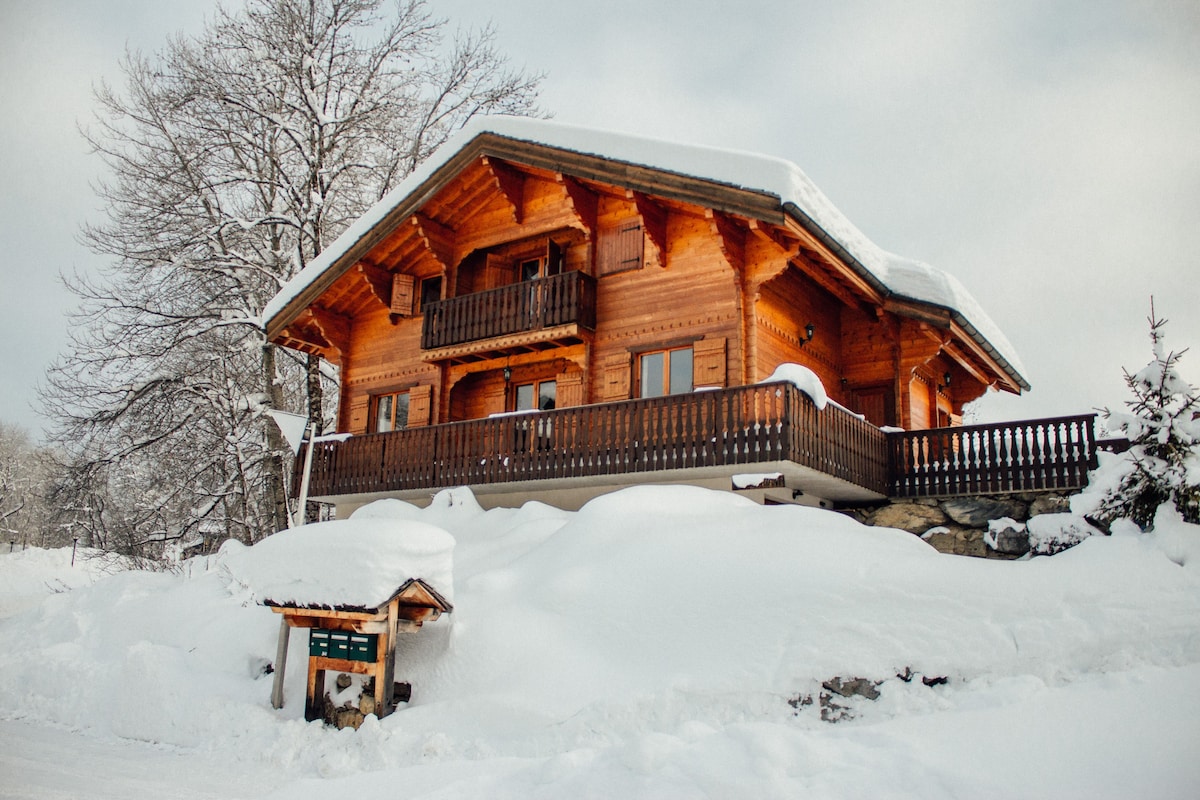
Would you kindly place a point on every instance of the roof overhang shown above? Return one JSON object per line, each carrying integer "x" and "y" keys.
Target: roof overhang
{"x": 754, "y": 204}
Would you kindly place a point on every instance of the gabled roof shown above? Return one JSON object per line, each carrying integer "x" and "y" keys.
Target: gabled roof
{"x": 763, "y": 186}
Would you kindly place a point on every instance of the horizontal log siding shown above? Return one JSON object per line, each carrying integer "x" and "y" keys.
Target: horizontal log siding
{"x": 1033, "y": 455}
{"x": 517, "y": 308}
{"x": 747, "y": 425}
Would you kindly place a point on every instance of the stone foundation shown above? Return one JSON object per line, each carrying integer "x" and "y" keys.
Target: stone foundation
{"x": 959, "y": 525}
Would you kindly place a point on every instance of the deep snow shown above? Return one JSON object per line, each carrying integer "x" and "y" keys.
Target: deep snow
{"x": 645, "y": 646}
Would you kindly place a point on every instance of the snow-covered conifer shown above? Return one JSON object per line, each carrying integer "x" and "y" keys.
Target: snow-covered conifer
{"x": 1163, "y": 427}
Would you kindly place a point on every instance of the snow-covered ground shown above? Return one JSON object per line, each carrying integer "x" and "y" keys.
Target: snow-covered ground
{"x": 661, "y": 642}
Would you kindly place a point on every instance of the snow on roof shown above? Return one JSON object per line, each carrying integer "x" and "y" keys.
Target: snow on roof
{"x": 896, "y": 275}
{"x": 354, "y": 563}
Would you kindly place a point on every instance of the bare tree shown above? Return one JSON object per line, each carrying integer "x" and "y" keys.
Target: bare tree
{"x": 25, "y": 478}
{"x": 233, "y": 158}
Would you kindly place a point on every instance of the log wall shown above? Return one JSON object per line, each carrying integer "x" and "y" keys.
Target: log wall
{"x": 694, "y": 296}
{"x": 736, "y": 292}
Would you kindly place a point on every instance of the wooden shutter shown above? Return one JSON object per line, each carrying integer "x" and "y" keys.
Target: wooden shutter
{"x": 708, "y": 366}
{"x": 617, "y": 377}
{"x": 420, "y": 406}
{"x": 403, "y": 293}
{"x": 621, "y": 247}
{"x": 499, "y": 271}
{"x": 570, "y": 389}
{"x": 360, "y": 407}
{"x": 556, "y": 264}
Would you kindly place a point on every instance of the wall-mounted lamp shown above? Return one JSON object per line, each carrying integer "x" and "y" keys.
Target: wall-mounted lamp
{"x": 809, "y": 330}
{"x": 507, "y": 374}
{"x": 946, "y": 380}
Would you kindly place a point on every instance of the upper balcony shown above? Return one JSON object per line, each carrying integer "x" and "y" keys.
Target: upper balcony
{"x": 544, "y": 310}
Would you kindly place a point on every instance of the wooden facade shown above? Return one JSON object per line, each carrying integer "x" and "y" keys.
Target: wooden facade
{"x": 521, "y": 276}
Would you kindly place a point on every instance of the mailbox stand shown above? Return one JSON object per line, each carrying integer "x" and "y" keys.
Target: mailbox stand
{"x": 359, "y": 640}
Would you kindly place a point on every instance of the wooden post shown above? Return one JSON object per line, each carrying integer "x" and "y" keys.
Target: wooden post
{"x": 389, "y": 667}
{"x": 280, "y": 663}
{"x": 314, "y": 701}
{"x": 304, "y": 480}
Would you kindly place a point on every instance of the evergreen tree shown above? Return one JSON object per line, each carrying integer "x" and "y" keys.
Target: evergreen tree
{"x": 1163, "y": 427}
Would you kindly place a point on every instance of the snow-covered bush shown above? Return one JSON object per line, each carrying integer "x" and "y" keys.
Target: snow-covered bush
{"x": 1163, "y": 427}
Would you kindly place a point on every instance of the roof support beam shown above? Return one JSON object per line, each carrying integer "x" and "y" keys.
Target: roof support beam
{"x": 730, "y": 236}
{"x": 379, "y": 281}
{"x": 333, "y": 327}
{"x": 511, "y": 185}
{"x": 302, "y": 337}
{"x": 654, "y": 222}
{"x": 583, "y": 201}
{"x": 437, "y": 238}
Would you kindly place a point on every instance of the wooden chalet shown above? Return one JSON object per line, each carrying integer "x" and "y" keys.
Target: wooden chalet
{"x": 556, "y": 312}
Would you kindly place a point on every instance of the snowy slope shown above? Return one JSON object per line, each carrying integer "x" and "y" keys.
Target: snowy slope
{"x": 648, "y": 646}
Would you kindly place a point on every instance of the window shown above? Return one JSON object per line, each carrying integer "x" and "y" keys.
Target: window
{"x": 431, "y": 291}
{"x": 390, "y": 412}
{"x": 664, "y": 372}
{"x": 545, "y": 393}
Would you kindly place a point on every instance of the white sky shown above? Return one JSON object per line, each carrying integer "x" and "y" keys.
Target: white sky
{"x": 1044, "y": 153}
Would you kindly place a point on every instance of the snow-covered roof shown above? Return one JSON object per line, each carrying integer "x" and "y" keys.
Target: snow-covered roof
{"x": 893, "y": 275}
{"x": 354, "y": 563}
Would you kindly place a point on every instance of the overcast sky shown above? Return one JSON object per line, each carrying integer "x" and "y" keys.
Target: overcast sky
{"x": 1045, "y": 153}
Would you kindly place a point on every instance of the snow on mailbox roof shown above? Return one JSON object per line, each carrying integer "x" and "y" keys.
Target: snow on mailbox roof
{"x": 893, "y": 275}
{"x": 343, "y": 564}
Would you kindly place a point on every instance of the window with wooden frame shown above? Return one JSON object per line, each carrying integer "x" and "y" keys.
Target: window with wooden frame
{"x": 535, "y": 396}
{"x": 551, "y": 261}
{"x": 664, "y": 372}
{"x": 620, "y": 247}
{"x": 389, "y": 412}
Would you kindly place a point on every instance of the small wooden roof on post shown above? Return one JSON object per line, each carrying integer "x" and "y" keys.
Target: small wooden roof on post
{"x": 361, "y": 582}
{"x": 409, "y": 607}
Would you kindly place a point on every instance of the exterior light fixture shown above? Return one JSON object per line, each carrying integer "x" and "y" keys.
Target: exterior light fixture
{"x": 946, "y": 380}
{"x": 507, "y": 374}
{"x": 808, "y": 334}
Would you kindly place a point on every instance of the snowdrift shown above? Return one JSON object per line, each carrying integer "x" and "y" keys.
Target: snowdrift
{"x": 649, "y": 645}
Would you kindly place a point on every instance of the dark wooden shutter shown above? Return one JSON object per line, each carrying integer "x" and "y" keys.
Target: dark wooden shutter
{"x": 555, "y": 263}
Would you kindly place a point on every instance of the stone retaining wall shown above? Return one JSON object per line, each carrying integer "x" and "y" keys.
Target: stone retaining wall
{"x": 959, "y": 525}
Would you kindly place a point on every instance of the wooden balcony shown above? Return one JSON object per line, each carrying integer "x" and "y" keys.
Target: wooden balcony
{"x": 744, "y": 429}
{"x": 735, "y": 428}
{"x": 1032, "y": 455}
{"x": 566, "y": 301}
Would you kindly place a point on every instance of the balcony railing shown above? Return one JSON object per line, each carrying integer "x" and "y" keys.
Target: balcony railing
{"x": 742, "y": 426}
{"x": 569, "y": 298}
{"x": 729, "y": 427}
{"x": 1033, "y": 455}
